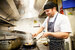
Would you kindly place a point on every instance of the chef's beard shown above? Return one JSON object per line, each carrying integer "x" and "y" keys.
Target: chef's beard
{"x": 50, "y": 16}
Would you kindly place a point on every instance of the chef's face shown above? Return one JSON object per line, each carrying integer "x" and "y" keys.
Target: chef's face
{"x": 49, "y": 12}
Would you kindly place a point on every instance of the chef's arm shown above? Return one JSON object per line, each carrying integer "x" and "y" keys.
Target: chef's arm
{"x": 63, "y": 35}
{"x": 40, "y": 30}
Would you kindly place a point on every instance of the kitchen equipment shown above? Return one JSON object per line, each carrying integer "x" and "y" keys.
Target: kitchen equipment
{"x": 26, "y": 36}
{"x": 27, "y": 40}
{"x": 9, "y": 41}
{"x": 43, "y": 40}
{"x": 30, "y": 46}
{"x": 12, "y": 43}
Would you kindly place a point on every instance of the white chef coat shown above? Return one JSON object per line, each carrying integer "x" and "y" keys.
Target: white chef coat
{"x": 62, "y": 23}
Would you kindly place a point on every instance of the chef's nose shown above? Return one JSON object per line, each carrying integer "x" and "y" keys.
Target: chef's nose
{"x": 47, "y": 13}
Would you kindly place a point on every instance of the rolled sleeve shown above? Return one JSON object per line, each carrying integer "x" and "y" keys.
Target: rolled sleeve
{"x": 44, "y": 23}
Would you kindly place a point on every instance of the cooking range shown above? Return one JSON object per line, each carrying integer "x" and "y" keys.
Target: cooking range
{"x": 34, "y": 47}
{"x": 17, "y": 40}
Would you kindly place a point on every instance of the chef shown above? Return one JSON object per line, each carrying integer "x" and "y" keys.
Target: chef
{"x": 58, "y": 27}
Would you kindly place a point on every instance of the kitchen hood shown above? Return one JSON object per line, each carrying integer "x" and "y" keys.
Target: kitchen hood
{"x": 30, "y": 8}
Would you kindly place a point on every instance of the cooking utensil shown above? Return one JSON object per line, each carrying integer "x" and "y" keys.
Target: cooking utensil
{"x": 43, "y": 40}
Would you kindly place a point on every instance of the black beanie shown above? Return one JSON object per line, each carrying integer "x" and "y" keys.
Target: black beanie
{"x": 49, "y": 5}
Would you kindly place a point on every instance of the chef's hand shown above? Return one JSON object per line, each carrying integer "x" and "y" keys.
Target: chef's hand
{"x": 45, "y": 34}
{"x": 35, "y": 34}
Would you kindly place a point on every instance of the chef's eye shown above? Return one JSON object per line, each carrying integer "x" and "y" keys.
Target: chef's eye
{"x": 46, "y": 10}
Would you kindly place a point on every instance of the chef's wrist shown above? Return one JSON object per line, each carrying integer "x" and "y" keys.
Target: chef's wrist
{"x": 37, "y": 33}
{"x": 49, "y": 33}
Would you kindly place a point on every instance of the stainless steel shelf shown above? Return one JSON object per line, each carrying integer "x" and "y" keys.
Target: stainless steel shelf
{"x": 4, "y": 22}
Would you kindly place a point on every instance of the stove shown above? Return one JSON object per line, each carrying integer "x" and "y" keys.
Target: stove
{"x": 27, "y": 48}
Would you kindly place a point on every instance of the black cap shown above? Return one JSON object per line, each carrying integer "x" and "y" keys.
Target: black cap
{"x": 49, "y": 5}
